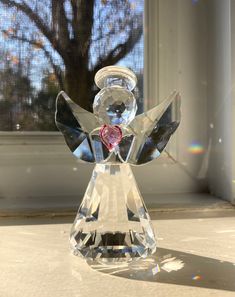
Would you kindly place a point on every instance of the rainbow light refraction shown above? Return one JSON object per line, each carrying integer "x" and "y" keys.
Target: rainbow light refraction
{"x": 196, "y": 148}
{"x": 196, "y": 277}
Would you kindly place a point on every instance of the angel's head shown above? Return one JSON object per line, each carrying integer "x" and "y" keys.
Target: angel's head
{"x": 115, "y": 104}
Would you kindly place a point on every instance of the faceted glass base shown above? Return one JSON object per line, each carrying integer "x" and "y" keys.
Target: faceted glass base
{"x": 112, "y": 223}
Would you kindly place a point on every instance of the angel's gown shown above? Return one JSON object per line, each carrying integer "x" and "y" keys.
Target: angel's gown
{"x": 112, "y": 223}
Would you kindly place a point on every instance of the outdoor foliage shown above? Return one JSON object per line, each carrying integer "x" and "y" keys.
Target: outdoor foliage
{"x": 49, "y": 45}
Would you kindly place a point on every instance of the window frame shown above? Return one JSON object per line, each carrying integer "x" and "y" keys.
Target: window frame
{"x": 20, "y": 148}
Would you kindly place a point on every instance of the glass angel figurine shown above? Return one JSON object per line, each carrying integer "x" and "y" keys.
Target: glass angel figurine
{"x": 112, "y": 223}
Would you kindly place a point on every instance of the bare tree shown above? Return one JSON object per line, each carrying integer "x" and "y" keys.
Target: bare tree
{"x": 86, "y": 34}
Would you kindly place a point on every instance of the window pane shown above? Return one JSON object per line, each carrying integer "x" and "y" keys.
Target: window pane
{"x": 49, "y": 45}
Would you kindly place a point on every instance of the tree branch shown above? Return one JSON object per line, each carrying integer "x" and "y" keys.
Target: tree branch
{"x": 36, "y": 19}
{"x": 82, "y": 23}
{"x": 121, "y": 50}
{"x": 60, "y": 22}
{"x": 56, "y": 68}
{"x": 75, "y": 24}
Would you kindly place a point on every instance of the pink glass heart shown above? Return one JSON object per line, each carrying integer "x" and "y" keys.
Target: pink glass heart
{"x": 110, "y": 136}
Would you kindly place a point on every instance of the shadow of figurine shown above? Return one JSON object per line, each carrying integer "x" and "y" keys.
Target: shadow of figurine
{"x": 175, "y": 267}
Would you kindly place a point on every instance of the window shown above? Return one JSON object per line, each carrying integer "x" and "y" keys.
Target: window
{"x": 51, "y": 45}
{"x": 188, "y": 46}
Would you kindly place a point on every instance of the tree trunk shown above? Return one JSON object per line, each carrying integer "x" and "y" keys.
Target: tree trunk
{"x": 79, "y": 86}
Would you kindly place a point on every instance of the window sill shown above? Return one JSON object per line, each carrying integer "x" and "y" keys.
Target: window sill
{"x": 30, "y": 138}
{"x": 159, "y": 205}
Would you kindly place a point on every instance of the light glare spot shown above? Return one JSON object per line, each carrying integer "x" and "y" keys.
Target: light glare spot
{"x": 28, "y": 170}
{"x": 196, "y": 277}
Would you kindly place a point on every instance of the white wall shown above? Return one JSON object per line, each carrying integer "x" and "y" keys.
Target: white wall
{"x": 178, "y": 60}
{"x": 196, "y": 55}
{"x": 232, "y": 15}
{"x": 220, "y": 100}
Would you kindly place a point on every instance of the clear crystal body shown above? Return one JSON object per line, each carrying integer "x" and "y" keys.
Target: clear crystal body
{"x": 115, "y": 75}
{"x": 115, "y": 106}
{"x": 112, "y": 223}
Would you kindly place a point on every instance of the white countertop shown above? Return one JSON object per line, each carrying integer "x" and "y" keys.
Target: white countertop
{"x": 196, "y": 257}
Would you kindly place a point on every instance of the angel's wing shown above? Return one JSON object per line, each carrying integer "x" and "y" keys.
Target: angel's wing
{"x": 152, "y": 131}
{"x": 75, "y": 123}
